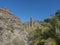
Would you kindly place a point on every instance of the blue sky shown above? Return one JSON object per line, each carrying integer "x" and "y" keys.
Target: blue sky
{"x": 38, "y": 9}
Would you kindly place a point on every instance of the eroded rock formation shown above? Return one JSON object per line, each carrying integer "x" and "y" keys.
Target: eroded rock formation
{"x": 11, "y": 29}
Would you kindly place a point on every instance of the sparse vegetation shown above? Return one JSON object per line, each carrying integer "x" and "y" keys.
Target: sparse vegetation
{"x": 52, "y": 30}
{"x": 13, "y": 32}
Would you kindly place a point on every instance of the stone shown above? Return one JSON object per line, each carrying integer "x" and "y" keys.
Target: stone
{"x": 11, "y": 29}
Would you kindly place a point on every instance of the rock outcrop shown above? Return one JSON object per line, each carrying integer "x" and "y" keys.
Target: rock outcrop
{"x": 11, "y": 29}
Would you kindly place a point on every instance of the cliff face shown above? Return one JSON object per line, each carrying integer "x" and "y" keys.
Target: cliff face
{"x": 11, "y": 32}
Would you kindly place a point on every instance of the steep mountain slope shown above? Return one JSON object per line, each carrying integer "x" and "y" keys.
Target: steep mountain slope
{"x": 11, "y": 29}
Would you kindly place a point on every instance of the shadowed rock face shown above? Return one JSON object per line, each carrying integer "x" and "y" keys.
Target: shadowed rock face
{"x": 11, "y": 32}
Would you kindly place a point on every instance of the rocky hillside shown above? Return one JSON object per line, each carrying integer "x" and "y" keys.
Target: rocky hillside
{"x": 11, "y": 29}
{"x": 14, "y": 32}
